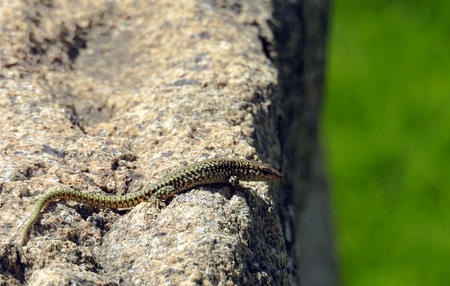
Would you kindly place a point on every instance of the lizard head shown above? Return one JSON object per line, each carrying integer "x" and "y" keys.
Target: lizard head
{"x": 256, "y": 171}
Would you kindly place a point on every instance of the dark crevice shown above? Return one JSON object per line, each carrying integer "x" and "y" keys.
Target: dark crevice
{"x": 74, "y": 118}
{"x": 29, "y": 172}
{"x": 85, "y": 211}
{"x": 267, "y": 47}
{"x": 12, "y": 262}
{"x": 124, "y": 157}
{"x": 35, "y": 47}
{"x": 74, "y": 43}
{"x": 266, "y": 44}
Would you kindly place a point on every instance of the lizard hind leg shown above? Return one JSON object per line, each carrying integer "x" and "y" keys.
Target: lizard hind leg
{"x": 157, "y": 198}
{"x": 149, "y": 206}
{"x": 154, "y": 201}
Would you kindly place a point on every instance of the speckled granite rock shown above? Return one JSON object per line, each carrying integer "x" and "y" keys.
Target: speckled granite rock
{"x": 110, "y": 97}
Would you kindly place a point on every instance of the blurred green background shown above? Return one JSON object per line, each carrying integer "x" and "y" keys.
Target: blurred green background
{"x": 386, "y": 131}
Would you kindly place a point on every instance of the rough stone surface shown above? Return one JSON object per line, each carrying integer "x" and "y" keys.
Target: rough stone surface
{"x": 110, "y": 96}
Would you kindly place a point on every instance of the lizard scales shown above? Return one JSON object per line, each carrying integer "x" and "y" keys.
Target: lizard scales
{"x": 211, "y": 171}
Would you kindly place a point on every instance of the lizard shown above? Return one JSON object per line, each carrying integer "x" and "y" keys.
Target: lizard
{"x": 209, "y": 171}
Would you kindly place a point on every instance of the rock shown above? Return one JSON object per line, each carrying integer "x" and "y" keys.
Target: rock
{"x": 110, "y": 97}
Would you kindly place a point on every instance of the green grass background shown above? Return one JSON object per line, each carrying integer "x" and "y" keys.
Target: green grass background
{"x": 386, "y": 133}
